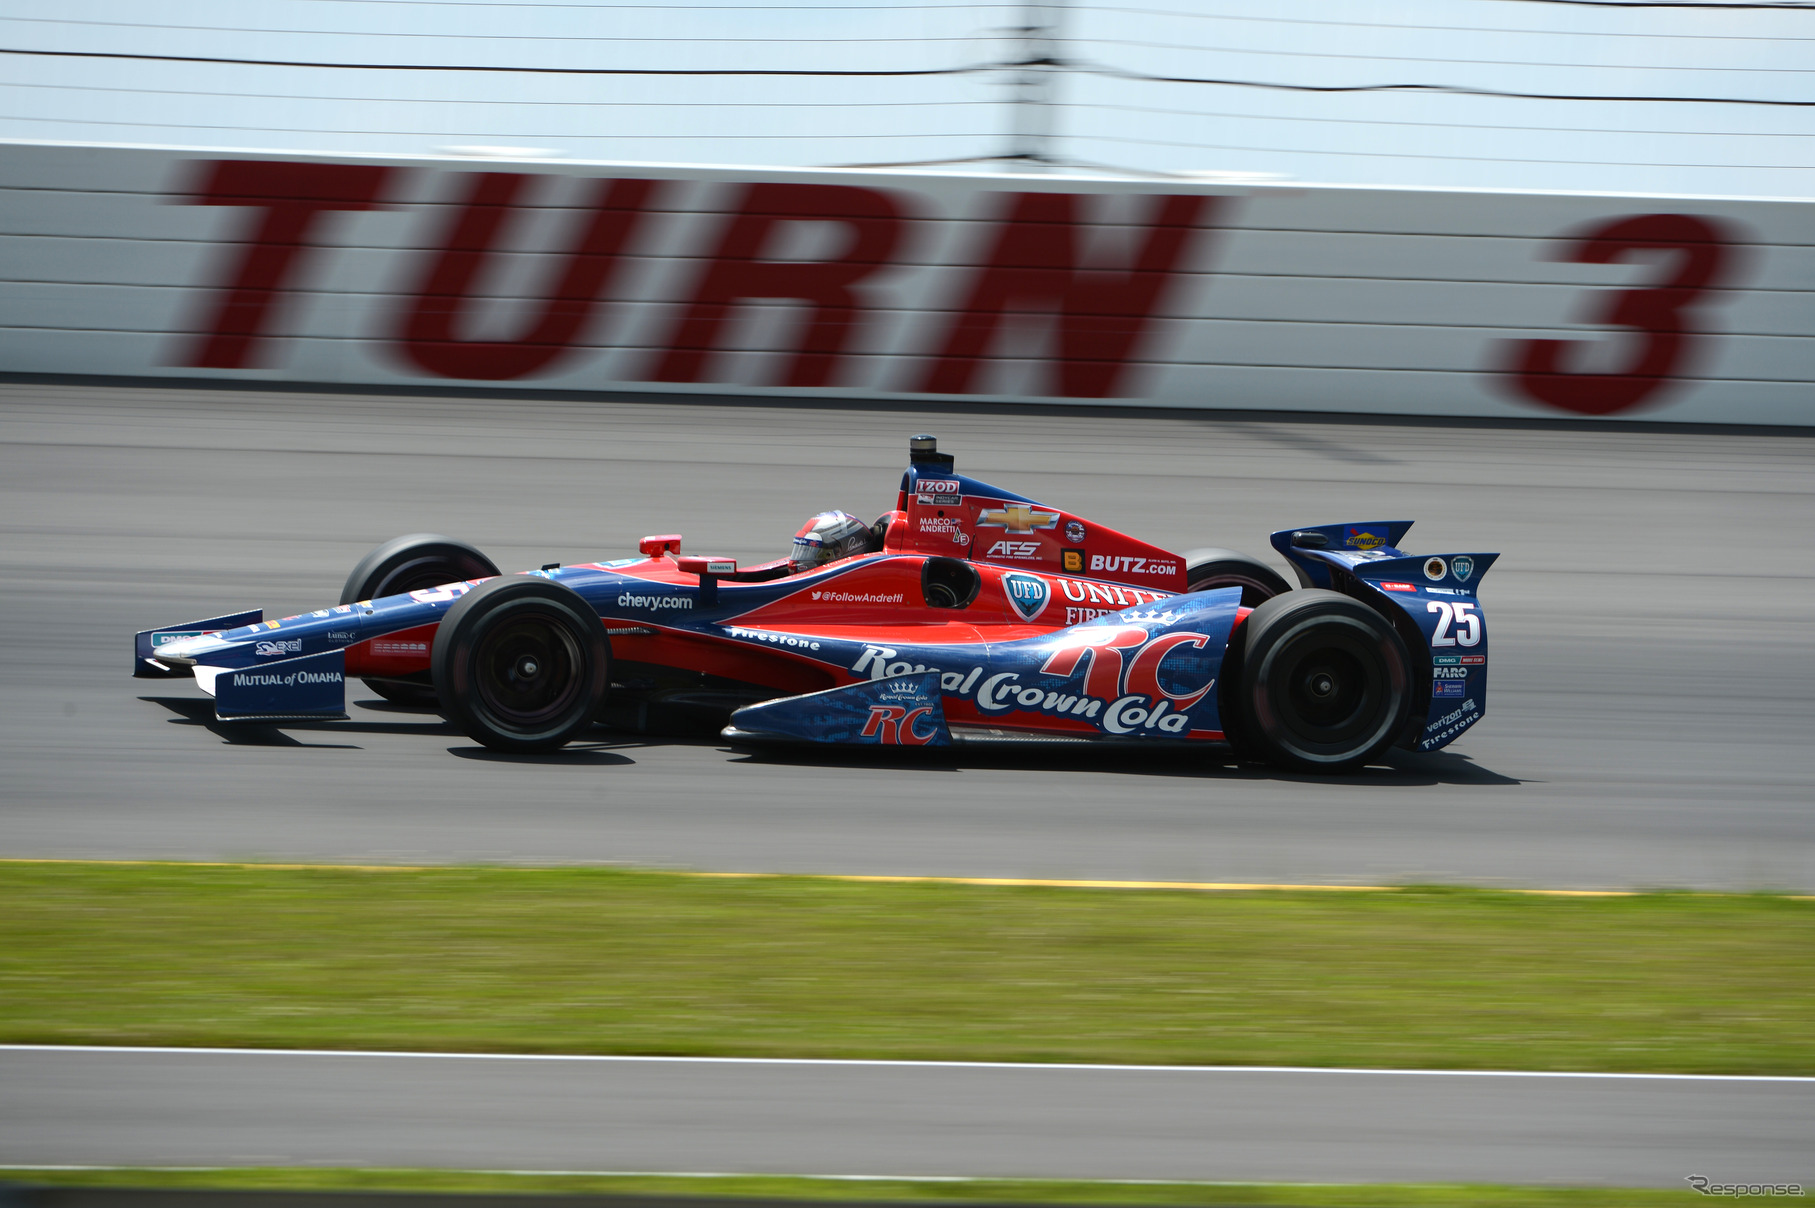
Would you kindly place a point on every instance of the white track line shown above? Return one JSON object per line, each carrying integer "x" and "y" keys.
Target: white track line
{"x": 735, "y": 1174}
{"x": 861, "y": 1062}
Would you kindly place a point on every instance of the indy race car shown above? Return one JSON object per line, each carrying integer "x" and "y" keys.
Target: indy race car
{"x": 967, "y": 613}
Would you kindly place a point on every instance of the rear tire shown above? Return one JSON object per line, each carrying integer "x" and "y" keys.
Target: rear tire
{"x": 1209, "y": 569}
{"x": 521, "y": 664}
{"x": 409, "y": 564}
{"x": 1325, "y": 682}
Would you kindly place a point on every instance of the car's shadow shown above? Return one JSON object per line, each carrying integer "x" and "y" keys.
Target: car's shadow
{"x": 586, "y": 753}
{"x": 605, "y": 747}
{"x": 199, "y": 712}
{"x": 1398, "y": 769}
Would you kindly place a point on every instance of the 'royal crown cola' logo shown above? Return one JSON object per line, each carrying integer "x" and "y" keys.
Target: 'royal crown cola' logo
{"x": 1027, "y": 593}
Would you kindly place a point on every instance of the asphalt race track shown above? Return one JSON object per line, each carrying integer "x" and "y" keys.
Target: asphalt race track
{"x": 1649, "y": 723}
{"x": 226, "y": 1108}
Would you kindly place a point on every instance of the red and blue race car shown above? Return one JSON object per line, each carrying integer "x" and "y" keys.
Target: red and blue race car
{"x": 968, "y": 612}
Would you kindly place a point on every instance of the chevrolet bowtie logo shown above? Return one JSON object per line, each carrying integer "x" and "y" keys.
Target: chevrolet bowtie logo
{"x": 1019, "y": 518}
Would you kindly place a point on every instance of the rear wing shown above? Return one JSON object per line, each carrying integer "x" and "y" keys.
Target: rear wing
{"x": 1370, "y": 551}
{"x": 1431, "y": 600}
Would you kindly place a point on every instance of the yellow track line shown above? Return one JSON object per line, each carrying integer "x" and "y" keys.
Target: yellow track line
{"x": 1046, "y": 882}
{"x": 867, "y": 878}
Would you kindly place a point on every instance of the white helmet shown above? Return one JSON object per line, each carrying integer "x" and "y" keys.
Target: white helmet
{"x": 826, "y": 538}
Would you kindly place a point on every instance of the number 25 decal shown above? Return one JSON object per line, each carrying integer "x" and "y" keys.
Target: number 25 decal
{"x": 1459, "y": 614}
{"x": 1659, "y": 315}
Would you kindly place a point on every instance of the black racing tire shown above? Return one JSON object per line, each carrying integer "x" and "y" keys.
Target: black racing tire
{"x": 1209, "y": 569}
{"x": 521, "y": 664}
{"x": 1326, "y": 682}
{"x": 409, "y": 564}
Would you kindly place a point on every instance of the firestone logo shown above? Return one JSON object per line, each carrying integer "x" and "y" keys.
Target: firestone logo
{"x": 777, "y": 639}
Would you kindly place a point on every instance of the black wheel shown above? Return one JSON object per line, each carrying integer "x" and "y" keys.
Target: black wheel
{"x": 521, "y": 664}
{"x": 1325, "y": 682}
{"x": 1208, "y": 569}
{"x": 409, "y": 564}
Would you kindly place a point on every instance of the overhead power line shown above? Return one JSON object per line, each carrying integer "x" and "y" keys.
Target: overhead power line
{"x": 1709, "y": 4}
{"x": 492, "y": 103}
{"x": 1098, "y": 69}
{"x": 859, "y": 136}
{"x": 586, "y": 71}
{"x": 1445, "y": 60}
{"x": 490, "y": 37}
{"x": 1122, "y": 73}
{"x": 1401, "y": 26}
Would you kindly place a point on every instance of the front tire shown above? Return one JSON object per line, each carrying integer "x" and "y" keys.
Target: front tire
{"x": 521, "y": 664}
{"x": 410, "y": 564}
{"x": 1326, "y": 683}
{"x": 1209, "y": 569}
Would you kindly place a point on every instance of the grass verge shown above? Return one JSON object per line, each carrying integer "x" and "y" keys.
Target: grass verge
{"x": 609, "y": 961}
{"x": 973, "y": 1191}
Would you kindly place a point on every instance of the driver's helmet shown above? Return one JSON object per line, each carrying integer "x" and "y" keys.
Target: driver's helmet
{"x": 826, "y": 538}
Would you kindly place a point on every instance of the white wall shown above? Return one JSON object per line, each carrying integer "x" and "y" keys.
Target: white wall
{"x": 1292, "y": 298}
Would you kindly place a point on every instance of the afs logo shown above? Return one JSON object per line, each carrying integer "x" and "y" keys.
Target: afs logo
{"x": 1027, "y": 594}
{"x": 1021, "y": 551}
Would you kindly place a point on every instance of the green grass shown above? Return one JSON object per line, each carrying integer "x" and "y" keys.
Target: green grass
{"x": 606, "y": 961}
{"x": 979, "y": 1191}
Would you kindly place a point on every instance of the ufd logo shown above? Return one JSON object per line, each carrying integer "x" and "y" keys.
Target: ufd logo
{"x": 893, "y": 725}
{"x": 1028, "y": 594}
